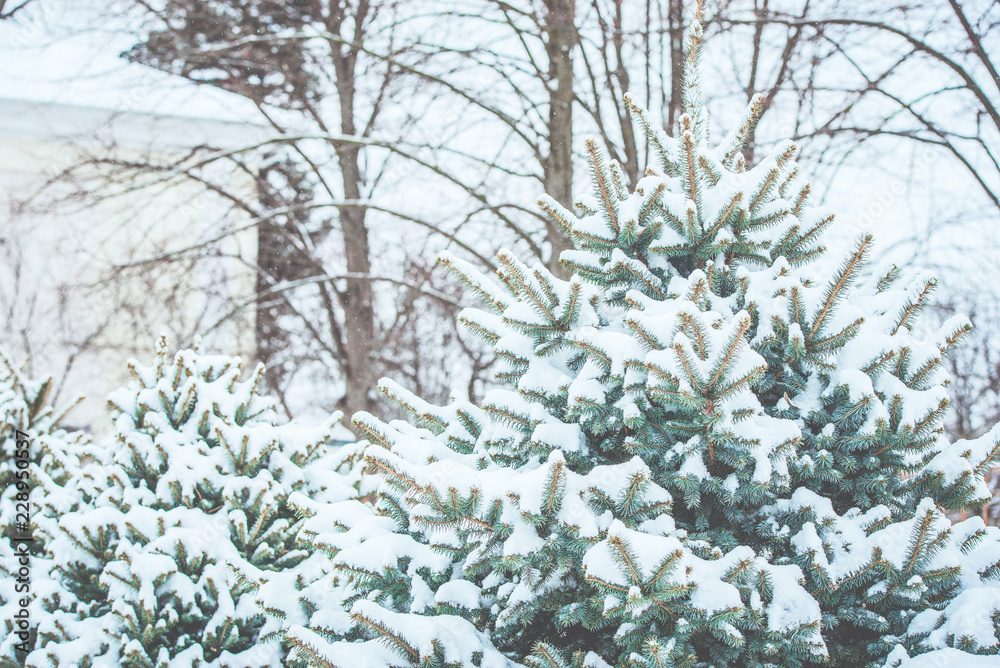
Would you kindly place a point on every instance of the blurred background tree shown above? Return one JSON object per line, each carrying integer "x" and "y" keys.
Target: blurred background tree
{"x": 389, "y": 130}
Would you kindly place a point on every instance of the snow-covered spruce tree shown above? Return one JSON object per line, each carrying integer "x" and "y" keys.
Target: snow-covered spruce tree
{"x": 194, "y": 482}
{"x": 703, "y": 455}
{"x": 53, "y": 455}
{"x": 25, "y": 406}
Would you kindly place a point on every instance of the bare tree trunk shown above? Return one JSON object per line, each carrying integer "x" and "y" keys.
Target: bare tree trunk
{"x": 675, "y": 26}
{"x": 558, "y": 168}
{"x": 631, "y": 162}
{"x": 358, "y": 298}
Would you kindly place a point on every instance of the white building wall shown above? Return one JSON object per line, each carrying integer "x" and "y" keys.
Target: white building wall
{"x": 75, "y": 292}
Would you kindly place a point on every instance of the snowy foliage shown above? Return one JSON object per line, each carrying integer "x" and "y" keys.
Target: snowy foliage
{"x": 194, "y": 482}
{"x": 25, "y": 406}
{"x": 54, "y": 455}
{"x": 701, "y": 454}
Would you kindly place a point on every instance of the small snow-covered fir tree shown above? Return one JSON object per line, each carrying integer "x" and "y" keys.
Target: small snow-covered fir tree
{"x": 53, "y": 456}
{"x": 25, "y": 406}
{"x": 194, "y": 482}
{"x": 702, "y": 454}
